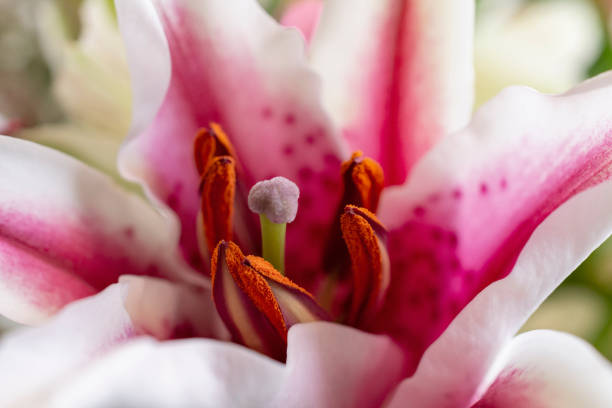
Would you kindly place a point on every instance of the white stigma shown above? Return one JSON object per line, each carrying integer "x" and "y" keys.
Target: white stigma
{"x": 276, "y": 198}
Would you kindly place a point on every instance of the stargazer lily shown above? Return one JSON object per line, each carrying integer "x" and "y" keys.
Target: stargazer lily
{"x": 436, "y": 272}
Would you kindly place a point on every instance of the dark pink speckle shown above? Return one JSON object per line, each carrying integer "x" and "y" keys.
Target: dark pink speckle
{"x": 503, "y": 184}
{"x": 290, "y": 119}
{"x": 457, "y": 194}
{"x": 288, "y": 150}
{"x": 266, "y": 112}
{"x": 128, "y": 232}
{"x": 309, "y": 139}
{"x": 305, "y": 173}
{"x": 332, "y": 160}
{"x": 419, "y": 211}
{"x": 484, "y": 189}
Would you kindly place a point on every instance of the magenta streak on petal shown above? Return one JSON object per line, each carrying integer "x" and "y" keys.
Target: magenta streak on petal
{"x": 263, "y": 123}
{"x": 431, "y": 281}
{"x": 57, "y": 260}
{"x": 392, "y": 127}
{"x": 40, "y": 282}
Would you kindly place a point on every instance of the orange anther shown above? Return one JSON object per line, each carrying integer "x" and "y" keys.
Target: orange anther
{"x": 363, "y": 182}
{"x": 251, "y": 283}
{"x": 363, "y": 234}
{"x": 218, "y": 189}
{"x": 209, "y": 143}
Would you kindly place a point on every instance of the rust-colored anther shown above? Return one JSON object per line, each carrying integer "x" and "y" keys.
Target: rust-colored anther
{"x": 363, "y": 181}
{"x": 218, "y": 190}
{"x": 209, "y": 143}
{"x": 256, "y": 302}
{"x": 364, "y": 236}
{"x": 250, "y": 282}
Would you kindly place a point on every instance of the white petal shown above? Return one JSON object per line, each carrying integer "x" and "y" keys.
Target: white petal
{"x": 547, "y": 369}
{"x": 328, "y": 366}
{"x": 33, "y": 360}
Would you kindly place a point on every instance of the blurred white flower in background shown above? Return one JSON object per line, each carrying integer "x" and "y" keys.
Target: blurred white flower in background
{"x": 90, "y": 83}
{"x": 547, "y": 45}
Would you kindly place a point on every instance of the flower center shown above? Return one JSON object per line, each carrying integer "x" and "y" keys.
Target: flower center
{"x": 257, "y": 303}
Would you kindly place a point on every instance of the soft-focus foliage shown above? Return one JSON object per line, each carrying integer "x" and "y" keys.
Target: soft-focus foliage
{"x": 24, "y": 76}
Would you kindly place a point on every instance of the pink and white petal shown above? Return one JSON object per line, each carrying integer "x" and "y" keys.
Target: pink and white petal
{"x": 34, "y": 361}
{"x": 397, "y": 74}
{"x": 67, "y": 231}
{"x": 547, "y": 369}
{"x": 552, "y": 212}
{"x": 189, "y": 62}
{"x": 168, "y": 310}
{"x": 303, "y": 15}
{"x": 327, "y": 366}
{"x": 181, "y": 373}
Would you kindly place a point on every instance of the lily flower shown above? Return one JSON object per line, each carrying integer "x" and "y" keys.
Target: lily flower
{"x": 435, "y": 244}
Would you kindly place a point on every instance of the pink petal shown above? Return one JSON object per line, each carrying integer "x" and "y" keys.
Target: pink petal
{"x": 546, "y": 369}
{"x": 303, "y": 15}
{"x": 397, "y": 74}
{"x": 36, "y": 360}
{"x": 66, "y": 231}
{"x": 545, "y": 161}
{"x": 233, "y": 64}
{"x": 328, "y": 366}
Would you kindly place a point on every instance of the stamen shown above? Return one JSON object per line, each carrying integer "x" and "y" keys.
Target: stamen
{"x": 210, "y": 143}
{"x": 218, "y": 189}
{"x": 363, "y": 180}
{"x": 276, "y": 202}
{"x": 365, "y": 239}
{"x": 258, "y": 304}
